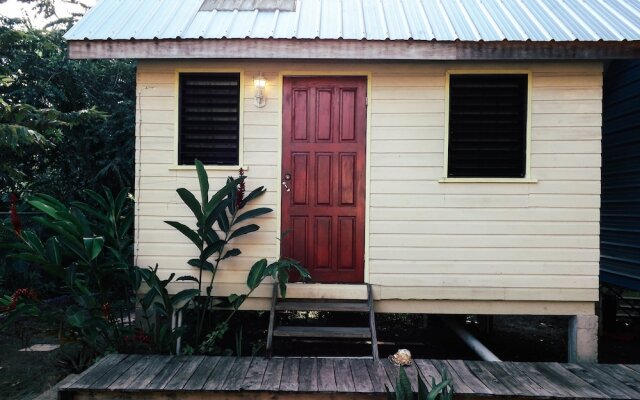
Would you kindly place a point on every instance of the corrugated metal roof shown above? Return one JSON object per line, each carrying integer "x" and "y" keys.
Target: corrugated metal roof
{"x": 442, "y": 20}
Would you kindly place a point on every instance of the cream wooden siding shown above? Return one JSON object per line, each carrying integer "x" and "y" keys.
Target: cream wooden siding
{"x": 426, "y": 240}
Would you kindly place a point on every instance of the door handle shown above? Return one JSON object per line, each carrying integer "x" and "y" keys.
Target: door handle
{"x": 286, "y": 186}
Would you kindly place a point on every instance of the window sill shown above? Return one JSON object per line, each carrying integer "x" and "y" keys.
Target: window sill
{"x": 488, "y": 180}
{"x": 235, "y": 168}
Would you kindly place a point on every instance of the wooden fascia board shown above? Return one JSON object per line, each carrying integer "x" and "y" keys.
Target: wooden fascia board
{"x": 318, "y": 49}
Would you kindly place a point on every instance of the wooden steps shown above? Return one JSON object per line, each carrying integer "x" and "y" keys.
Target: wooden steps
{"x": 322, "y": 332}
{"x": 320, "y": 305}
{"x": 323, "y": 304}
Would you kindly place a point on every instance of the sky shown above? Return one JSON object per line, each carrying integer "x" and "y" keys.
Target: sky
{"x": 13, "y": 8}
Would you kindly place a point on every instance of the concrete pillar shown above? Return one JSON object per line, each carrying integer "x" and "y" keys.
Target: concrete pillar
{"x": 583, "y": 338}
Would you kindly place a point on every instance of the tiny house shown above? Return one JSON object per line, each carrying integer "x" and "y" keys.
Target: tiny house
{"x": 446, "y": 152}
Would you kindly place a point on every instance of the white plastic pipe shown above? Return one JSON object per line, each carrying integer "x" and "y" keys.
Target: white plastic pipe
{"x": 471, "y": 341}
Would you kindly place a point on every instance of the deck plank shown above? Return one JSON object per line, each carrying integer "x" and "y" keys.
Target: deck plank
{"x": 219, "y": 374}
{"x": 114, "y": 372}
{"x": 132, "y": 374}
{"x": 392, "y": 372}
{"x": 99, "y": 369}
{"x": 551, "y": 387}
{"x": 379, "y": 378}
{"x": 515, "y": 380}
{"x": 625, "y": 375}
{"x": 164, "y": 376}
{"x": 273, "y": 375}
{"x": 556, "y": 372}
{"x": 308, "y": 375}
{"x": 468, "y": 377}
{"x": 253, "y": 378}
{"x": 180, "y": 379}
{"x": 344, "y": 377}
{"x": 290, "y": 375}
{"x": 487, "y": 378}
{"x": 169, "y": 376}
{"x": 361, "y": 378}
{"x": 635, "y": 367}
{"x": 237, "y": 374}
{"x": 429, "y": 372}
{"x": 603, "y": 382}
{"x": 201, "y": 374}
{"x": 326, "y": 375}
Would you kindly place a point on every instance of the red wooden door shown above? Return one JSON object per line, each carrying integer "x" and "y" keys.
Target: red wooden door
{"x": 323, "y": 167}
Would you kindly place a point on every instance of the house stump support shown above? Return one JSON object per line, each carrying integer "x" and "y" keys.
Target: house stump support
{"x": 583, "y": 338}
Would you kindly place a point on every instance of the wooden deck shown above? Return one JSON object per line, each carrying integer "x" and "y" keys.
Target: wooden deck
{"x": 198, "y": 377}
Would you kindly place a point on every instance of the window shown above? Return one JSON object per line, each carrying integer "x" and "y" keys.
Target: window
{"x": 209, "y": 118}
{"x": 487, "y": 126}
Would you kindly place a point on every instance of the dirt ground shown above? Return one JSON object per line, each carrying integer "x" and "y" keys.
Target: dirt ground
{"x": 24, "y": 375}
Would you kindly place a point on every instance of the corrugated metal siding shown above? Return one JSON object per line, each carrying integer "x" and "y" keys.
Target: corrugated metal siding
{"x": 443, "y": 20}
{"x": 620, "y": 219}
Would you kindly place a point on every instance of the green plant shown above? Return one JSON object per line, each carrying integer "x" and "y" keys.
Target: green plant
{"x": 439, "y": 391}
{"x": 220, "y": 219}
{"x": 88, "y": 252}
{"x": 158, "y": 307}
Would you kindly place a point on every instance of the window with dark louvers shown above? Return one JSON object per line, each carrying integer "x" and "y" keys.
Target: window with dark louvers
{"x": 487, "y": 126}
{"x": 209, "y": 118}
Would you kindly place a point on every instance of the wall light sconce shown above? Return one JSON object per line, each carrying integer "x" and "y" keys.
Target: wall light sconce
{"x": 259, "y": 96}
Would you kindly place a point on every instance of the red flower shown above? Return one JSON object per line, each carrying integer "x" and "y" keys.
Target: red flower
{"x": 240, "y": 191}
{"x": 21, "y": 294}
{"x": 15, "y": 218}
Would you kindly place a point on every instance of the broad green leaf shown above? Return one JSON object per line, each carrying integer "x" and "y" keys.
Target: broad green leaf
{"x": 423, "y": 391}
{"x": 256, "y": 274}
{"x": 437, "y": 389}
{"x": 76, "y": 316}
{"x": 213, "y": 214}
{"x": 231, "y": 253}
{"x": 53, "y": 251}
{"x": 283, "y": 279}
{"x": 33, "y": 241}
{"x": 187, "y": 278}
{"x": 50, "y": 200}
{"x": 188, "y": 232}
{"x": 211, "y": 235}
{"x": 221, "y": 194}
{"x": 204, "y": 182}
{"x": 93, "y": 246}
{"x": 255, "y": 193}
{"x": 252, "y": 214}
{"x": 236, "y": 301}
{"x": 223, "y": 221}
{"x": 244, "y": 230}
{"x": 182, "y": 298}
{"x": 191, "y": 202}
{"x": 45, "y": 208}
{"x": 403, "y": 386}
{"x": 206, "y": 265}
{"x": 97, "y": 198}
{"x": 213, "y": 248}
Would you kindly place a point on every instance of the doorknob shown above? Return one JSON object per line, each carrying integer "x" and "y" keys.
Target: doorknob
{"x": 286, "y": 186}
{"x": 287, "y": 176}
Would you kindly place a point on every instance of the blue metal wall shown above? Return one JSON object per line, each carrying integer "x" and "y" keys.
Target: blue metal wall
{"x": 620, "y": 212}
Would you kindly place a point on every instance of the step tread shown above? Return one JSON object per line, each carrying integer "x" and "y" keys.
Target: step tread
{"x": 302, "y": 305}
{"x": 322, "y": 331}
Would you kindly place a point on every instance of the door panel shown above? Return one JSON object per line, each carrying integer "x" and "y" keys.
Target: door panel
{"x": 323, "y": 165}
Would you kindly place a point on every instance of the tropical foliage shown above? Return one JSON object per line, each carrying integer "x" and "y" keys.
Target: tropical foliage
{"x": 65, "y": 125}
{"x": 403, "y": 391}
{"x": 220, "y": 219}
